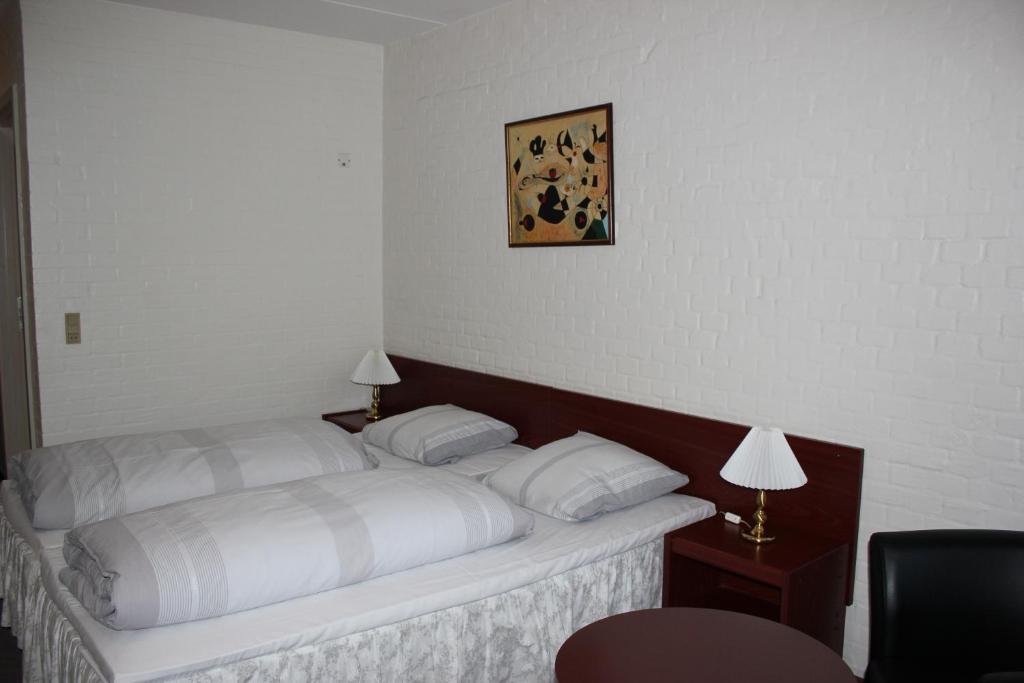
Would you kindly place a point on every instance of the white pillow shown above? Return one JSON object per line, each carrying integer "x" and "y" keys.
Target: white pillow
{"x": 480, "y": 465}
{"x": 438, "y": 434}
{"x": 583, "y": 476}
{"x": 78, "y": 483}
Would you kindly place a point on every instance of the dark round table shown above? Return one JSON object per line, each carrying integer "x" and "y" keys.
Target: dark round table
{"x": 690, "y": 645}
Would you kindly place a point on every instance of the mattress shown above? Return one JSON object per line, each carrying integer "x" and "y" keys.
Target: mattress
{"x": 554, "y": 548}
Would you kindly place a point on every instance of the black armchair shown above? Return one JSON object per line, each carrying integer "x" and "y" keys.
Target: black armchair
{"x": 947, "y": 606}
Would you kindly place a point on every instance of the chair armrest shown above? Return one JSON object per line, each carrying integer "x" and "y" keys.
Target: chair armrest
{"x": 1002, "y": 677}
{"x": 876, "y": 674}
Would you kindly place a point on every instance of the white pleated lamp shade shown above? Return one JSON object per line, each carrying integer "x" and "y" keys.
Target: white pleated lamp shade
{"x": 375, "y": 368}
{"x": 764, "y": 460}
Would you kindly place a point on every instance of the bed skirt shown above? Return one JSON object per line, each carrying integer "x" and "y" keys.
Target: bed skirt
{"x": 512, "y": 636}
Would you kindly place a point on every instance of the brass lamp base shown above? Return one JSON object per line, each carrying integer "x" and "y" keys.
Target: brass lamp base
{"x": 749, "y": 536}
{"x": 373, "y": 414}
{"x": 757, "y": 533}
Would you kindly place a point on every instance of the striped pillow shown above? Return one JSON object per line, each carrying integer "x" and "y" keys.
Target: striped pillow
{"x": 583, "y": 476}
{"x": 71, "y": 484}
{"x": 439, "y": 434}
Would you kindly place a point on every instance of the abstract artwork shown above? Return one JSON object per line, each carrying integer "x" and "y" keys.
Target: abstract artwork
{"x": 560, "y": 179}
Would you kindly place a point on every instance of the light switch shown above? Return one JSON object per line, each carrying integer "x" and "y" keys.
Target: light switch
{"x": 72, "y": 328}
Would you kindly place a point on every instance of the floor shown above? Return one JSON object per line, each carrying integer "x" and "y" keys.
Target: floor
{"x": 10, "y": 656}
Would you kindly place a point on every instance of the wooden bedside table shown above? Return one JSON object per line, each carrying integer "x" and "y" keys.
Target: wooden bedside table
{"x": 798, "y": 580}
{"x": 350, "y": 420}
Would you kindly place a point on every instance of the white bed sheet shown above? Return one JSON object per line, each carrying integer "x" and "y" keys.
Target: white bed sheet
{"x": 553, "y": 548}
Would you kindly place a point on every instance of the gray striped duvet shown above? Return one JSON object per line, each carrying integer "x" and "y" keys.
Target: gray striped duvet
{"x": 86, "y": 481}
{"x": 226, "y": 553}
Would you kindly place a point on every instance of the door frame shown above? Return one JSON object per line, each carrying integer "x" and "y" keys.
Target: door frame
{"x": 13, "y": 100}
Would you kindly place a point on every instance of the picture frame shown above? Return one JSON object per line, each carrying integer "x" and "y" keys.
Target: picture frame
{"x": 559, "y": 179}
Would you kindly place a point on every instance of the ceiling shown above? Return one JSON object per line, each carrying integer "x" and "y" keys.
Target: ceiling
{"x": 370, "y": 21}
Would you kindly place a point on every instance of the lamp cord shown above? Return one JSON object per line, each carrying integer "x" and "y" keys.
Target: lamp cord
{"x": 741, "y": 520}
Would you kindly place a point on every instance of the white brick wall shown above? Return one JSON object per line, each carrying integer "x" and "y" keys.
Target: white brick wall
{"x": 187, "y": 201}
{"x": 820, "y": 224}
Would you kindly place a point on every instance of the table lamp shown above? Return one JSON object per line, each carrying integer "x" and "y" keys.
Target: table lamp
{"x": 763, "y": 460}
{"x": 374, "y": 370}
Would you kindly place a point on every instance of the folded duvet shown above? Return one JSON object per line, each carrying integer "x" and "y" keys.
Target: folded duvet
{"x": 86, "y": 481}
{"x": 230, "y": 552}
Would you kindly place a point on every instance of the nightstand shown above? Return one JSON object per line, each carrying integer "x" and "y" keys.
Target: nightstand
{"x": 350, "y": 420}
{"x": 798, "y": 580}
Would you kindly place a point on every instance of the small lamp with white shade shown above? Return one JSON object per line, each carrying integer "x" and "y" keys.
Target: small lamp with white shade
{"x": 375, "y": 370}
{"x": 763, "y": 460}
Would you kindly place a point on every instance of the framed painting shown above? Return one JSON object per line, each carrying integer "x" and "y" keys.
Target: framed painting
{"x": 559, "y": 179}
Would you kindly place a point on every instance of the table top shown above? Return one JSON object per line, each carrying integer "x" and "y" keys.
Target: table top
{"x": 674, "y": 644}
{"x": 350, "y": 420}
{"x": 715, "y": 540}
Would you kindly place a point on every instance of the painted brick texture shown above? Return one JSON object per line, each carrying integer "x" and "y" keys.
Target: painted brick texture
{"x": 820, "y": 225}
{"x": 186, "y": 199}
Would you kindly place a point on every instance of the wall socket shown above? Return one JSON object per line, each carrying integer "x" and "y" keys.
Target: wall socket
{"x": 72, "y": 328}
{"x": 344, "y": 159}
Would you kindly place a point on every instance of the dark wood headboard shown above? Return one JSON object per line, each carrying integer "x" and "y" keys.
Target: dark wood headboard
{"x": 829, "y": 504}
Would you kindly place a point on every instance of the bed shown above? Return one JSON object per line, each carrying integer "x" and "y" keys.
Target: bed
{"x": 493, "y": 615}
